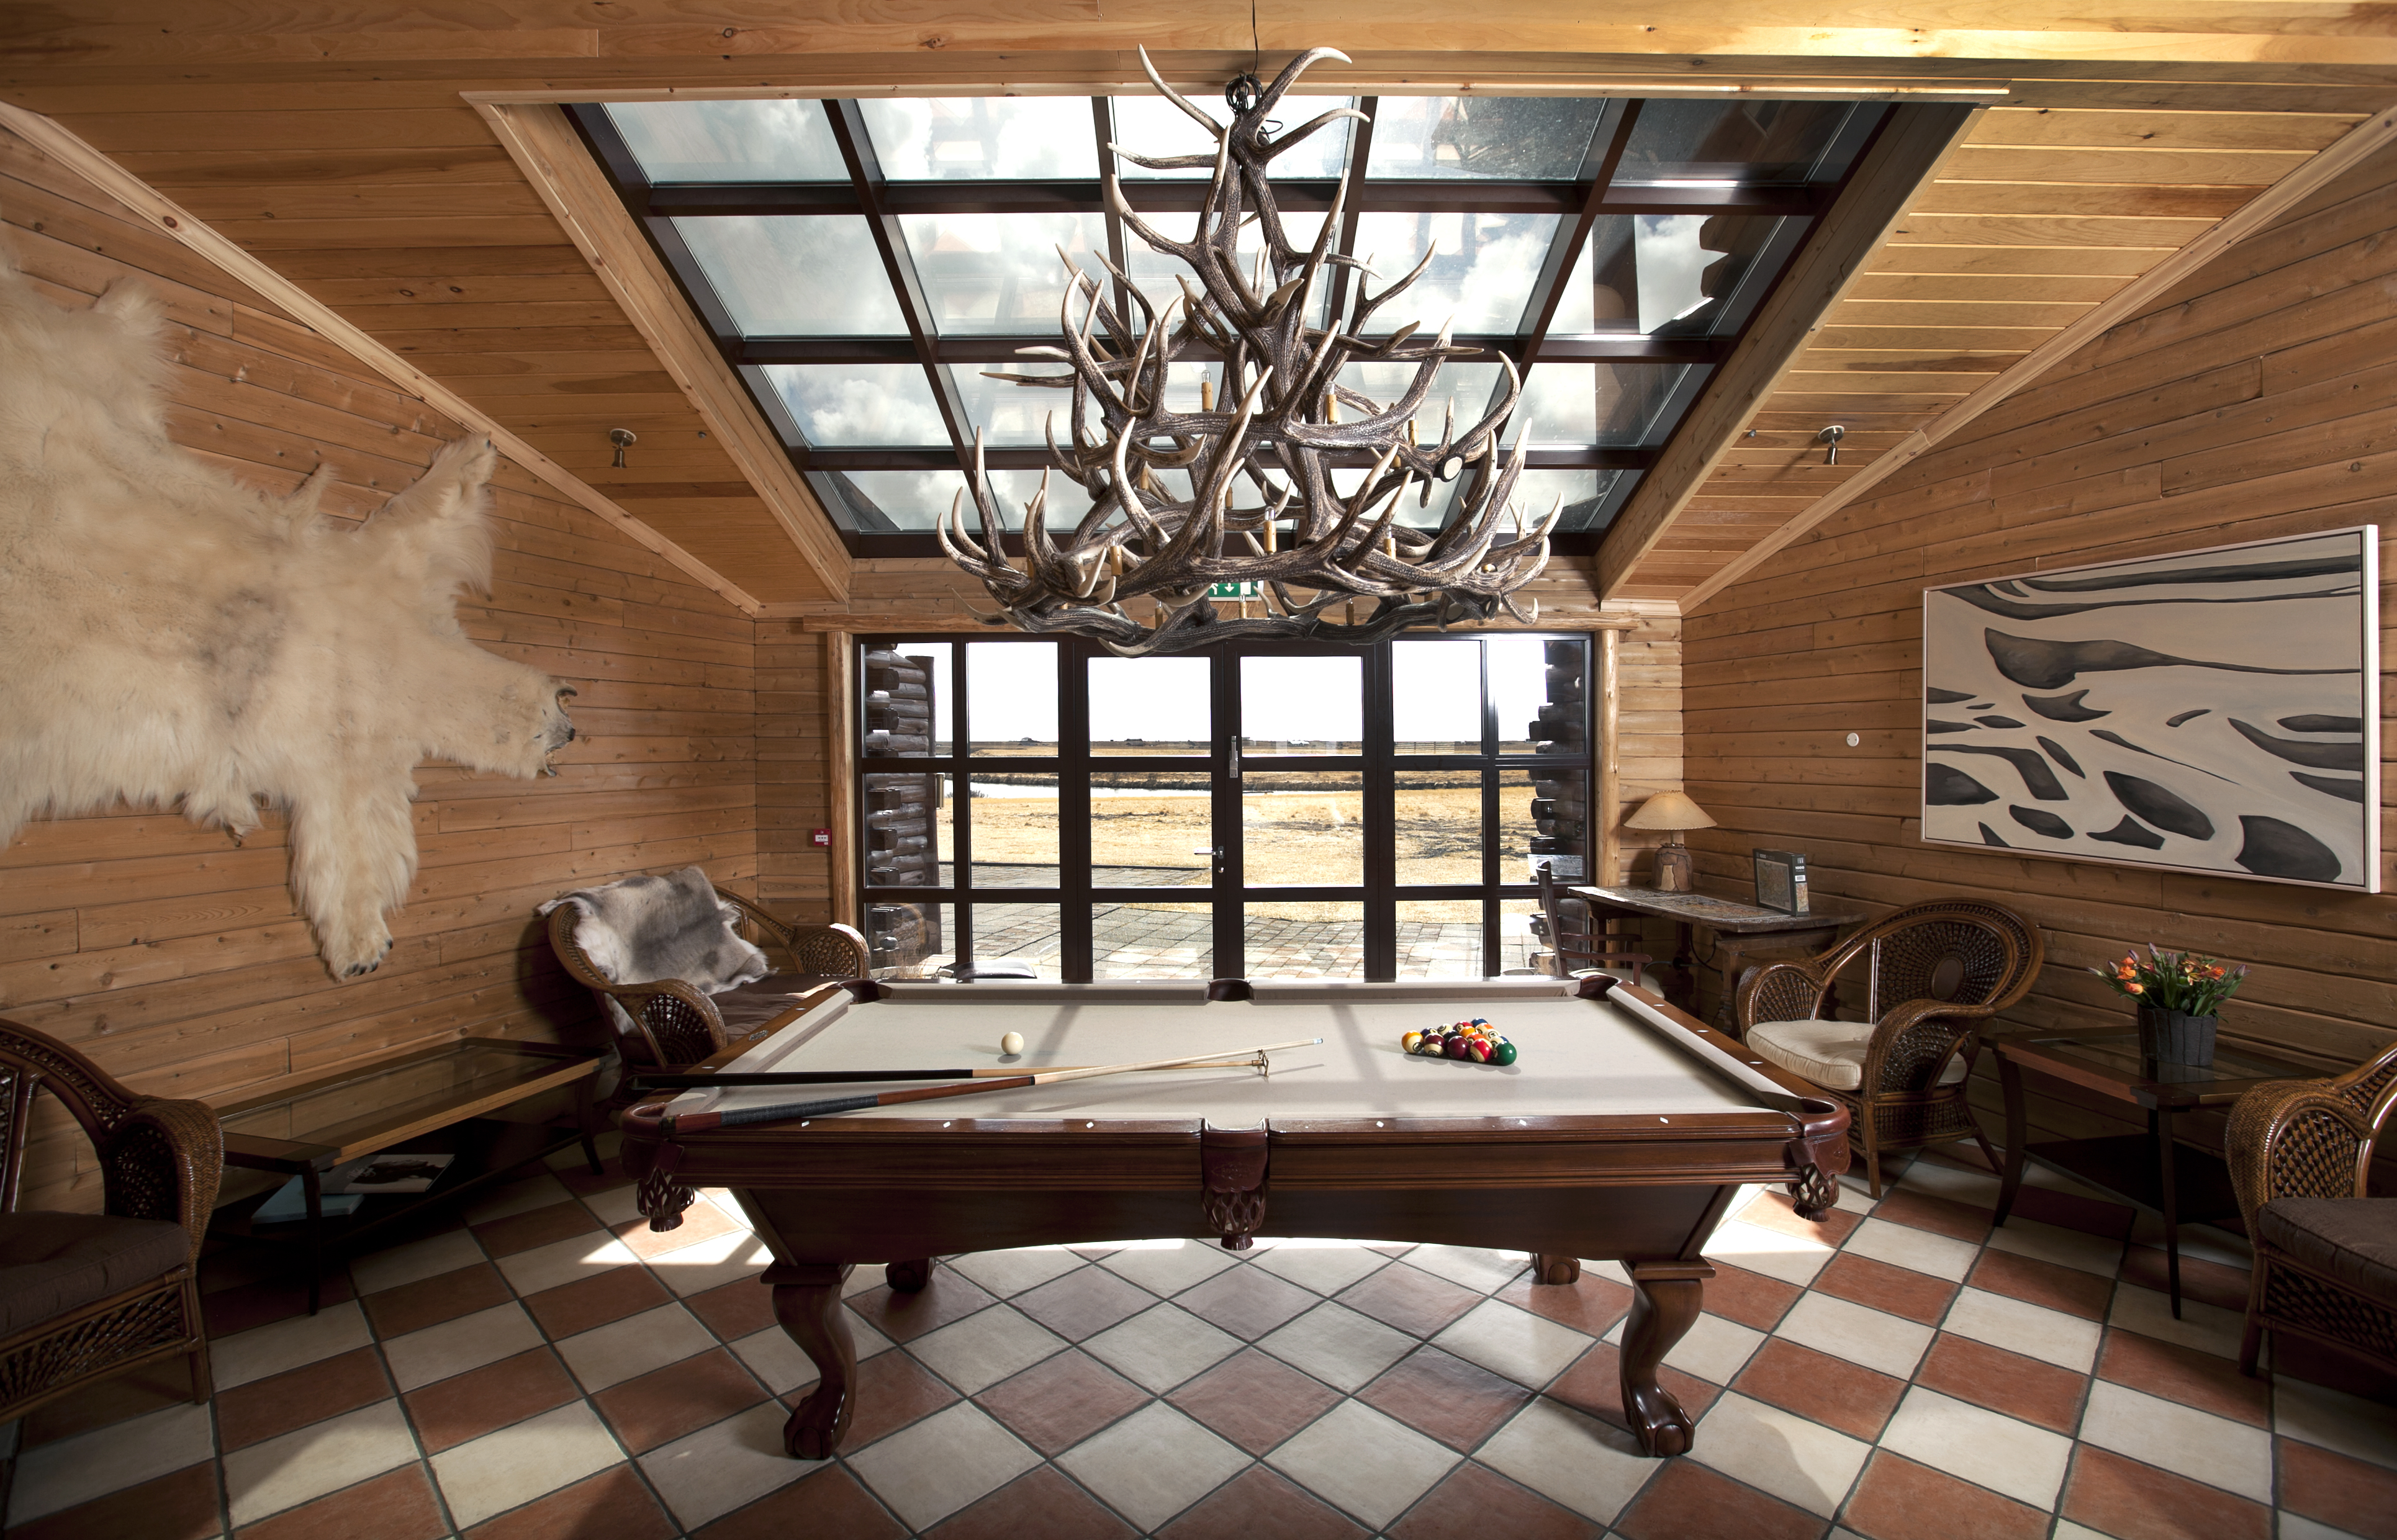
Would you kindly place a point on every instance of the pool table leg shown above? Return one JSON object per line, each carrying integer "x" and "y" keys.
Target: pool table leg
{"x": 1554, "y": 1267}
{"x": 806, "y": 1301}
{"x": 1665, "y": 1299}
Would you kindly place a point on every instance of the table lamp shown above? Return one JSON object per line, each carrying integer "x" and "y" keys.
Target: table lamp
{"x": 1673, "y": 813}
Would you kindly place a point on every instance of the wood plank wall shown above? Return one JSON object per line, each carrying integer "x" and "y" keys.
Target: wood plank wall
{"x": 176, "y": 960}
{"x": 798, "y": 715}
{"x": 2253, "y": 401}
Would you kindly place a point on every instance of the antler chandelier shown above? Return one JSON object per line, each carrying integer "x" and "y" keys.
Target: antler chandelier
{"x": 1283, "y": 422}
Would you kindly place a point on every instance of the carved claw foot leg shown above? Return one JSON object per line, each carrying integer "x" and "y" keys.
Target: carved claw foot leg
{"x": 1550, "y": 1267}
{"x": 907, "y": 1278}
{"x": 1664, "y": 1301}
{"x": 806, "y": 1301}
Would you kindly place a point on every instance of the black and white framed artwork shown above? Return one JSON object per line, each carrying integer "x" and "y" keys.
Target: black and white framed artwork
{"x": 2211, "y": 711}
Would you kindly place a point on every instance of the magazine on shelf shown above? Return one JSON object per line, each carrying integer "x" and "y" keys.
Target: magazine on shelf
{"x": 393, "y": 1172}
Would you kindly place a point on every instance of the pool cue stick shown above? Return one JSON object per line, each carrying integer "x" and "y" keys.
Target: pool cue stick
{"x": 695, "y": 1123}
{"x": 855, "y": 1077}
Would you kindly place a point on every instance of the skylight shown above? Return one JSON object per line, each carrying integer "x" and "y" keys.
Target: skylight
{"x": 864, "y": 263}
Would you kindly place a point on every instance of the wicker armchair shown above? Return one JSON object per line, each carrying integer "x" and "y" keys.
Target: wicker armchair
{"x": 1936, "y": 972}
{"x": 673, "y": 1024}
{"x": 84, "y": 1296}
{"x": 2300, "y": 1156}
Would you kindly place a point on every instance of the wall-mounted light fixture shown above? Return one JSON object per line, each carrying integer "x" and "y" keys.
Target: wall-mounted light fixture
{"x": 1829, "y": 437}
{"x": 624, "y": 439}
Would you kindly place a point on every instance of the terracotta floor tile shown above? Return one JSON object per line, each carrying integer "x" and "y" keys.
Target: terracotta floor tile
{"x": 1849, "y": 1397}
{"x": 735, "y": 1310}
{"x": 1474, "y": 1504}
{"x": 181, "y": 1506}
{"x": 1086, "y": 1301}
{"x": 1062, "y": 1401}
{"x": 1590, "y": 1304}
{"x": 1594, "y": 1385}
{"x": 576, "y": 1177}
{"x": 137, "y": 1392}
{"x": 1774, "y": 1210}
{"x": 664, "y": 1404}
{"x": 2132, "y": 1501}
{"x": 1939, "y": 1216}
{"x": 271, "y": 1299}
{"x": 2183, "y": 1376}
{"x": 1900, "y": 1290}
{"x": 469, "y": 1405}
{"x": 2209, "y": 1282}
{"x": 431, "y": 1301}
{"x": 1255, "y": 1400}
{"x": 596, "y": 1300}
{"x": 261, "y": 1409}
{"x": 396, "y": 1505}
{"x": 1259, "y": 1503}
{"x": 1749, "y": 1298}
{"x": 2074, "y": 1211}
{"x": 1440, "y": 1395}
{"x": 543, "y": 1227}
{"x": 2346, "y": 1495}
{"x": 903, "y": 1317}
{"x": 1897, "y": 1499}
{"x": 892, "y": 1391}
{"x": 703, "y": 1222}
{"x": 613, "y": 1505}
{"x": 828, "y": 1503}
{"x": 1246, "y": 1302}
{"x": 2036, "y": 1392}
{"x": 1415, "y": 1302}
{"x": 1688, "y": 1502}
{"x": 1041, "y": 1502}
{"x": 2066, "y": 1289}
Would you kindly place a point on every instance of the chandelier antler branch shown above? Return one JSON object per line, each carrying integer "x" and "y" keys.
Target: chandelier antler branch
{"x": 1274, "y": 432}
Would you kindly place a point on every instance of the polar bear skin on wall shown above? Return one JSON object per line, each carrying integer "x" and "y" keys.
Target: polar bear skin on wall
{"x": 167, "y": 632}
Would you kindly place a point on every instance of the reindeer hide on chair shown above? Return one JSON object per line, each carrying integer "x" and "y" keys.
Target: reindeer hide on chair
{"x": 167, "y": 632}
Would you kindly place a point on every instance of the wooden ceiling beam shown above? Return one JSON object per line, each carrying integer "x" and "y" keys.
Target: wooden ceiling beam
{"x": 1899, "y": 162}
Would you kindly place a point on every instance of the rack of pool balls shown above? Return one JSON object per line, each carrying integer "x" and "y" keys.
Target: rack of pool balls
{"x": 1470, "y": 1040}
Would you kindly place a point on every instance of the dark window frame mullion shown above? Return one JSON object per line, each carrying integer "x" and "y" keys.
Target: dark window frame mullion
{"x": 1077, "y": 959}
{"x": 1379, "y": 806}
{"x": 1549, "y": 287}
{"x": 1360, "y": 147}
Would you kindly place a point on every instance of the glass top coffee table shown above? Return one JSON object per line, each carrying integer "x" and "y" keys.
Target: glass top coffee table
{"x": 2161, "y": 1169}
{"x": 439, "y": 1100}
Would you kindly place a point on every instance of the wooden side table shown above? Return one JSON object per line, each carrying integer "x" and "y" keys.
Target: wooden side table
{"x": 1739, "y": 932}
{"x": 2161, "y": 1169}
{"x": 434, "y": 1099}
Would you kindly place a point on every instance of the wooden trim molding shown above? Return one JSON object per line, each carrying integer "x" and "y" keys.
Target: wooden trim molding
{"x": 1764, "y": 84}
{"x": 1900, "y": 162}
{"x": 553, "y": 158}
{"x": 170, "y": 218}
{"x": 1610, "y": 758}
{"x": 840, "y": 710}
{"x": 2365, "y": 138}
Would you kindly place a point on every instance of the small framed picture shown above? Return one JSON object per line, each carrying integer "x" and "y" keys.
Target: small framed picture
{"x": 1781, "y": 881}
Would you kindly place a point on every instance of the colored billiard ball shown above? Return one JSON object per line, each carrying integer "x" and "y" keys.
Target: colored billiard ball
{"x": 1502, "y": 1054}
{"x": 1012, "y": 1044}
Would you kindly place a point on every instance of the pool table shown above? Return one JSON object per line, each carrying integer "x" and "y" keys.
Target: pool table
{"x": 1623, "y": 1133}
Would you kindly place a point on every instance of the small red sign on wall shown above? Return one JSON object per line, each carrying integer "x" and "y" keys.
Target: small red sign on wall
{"x": 823, "y": 837}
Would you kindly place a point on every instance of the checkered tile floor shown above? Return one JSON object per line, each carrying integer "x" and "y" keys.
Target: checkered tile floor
{"x": 548, "y": 1367}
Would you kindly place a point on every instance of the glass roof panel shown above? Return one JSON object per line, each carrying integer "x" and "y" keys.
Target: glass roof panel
{"x": 1735, "y": 142}
{"x": 944, "y": 139}
{"x": 1463, "y": 388}
{"x": 1659, "y": 273}
{"x": 997, "y": 274}
{"x": 1481, "y": 277}
{"x": 1577, "y": 406}
{"x": 796, "y": 276}
{"x": 1524, "y": 138}
{"x": 1582, "y": 491}
{"x": 860, "y": 406}
{"x": 1010, "y": 416}
{"x": 889, "y": 501}
{"x": 1153, "y": 127}
{"x": 730, "y": 141}
{"x": 1153, "y": 271}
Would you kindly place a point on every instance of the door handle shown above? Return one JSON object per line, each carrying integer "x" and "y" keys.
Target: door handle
{"x": 1235, "y": 772}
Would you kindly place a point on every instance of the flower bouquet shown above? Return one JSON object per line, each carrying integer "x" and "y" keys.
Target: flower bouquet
{"x": 2180, "y": 996}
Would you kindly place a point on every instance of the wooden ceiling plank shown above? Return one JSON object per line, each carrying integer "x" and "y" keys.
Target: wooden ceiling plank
{"x": 2103, "y": 200}
{"x": 2164, "y": 130}
{"x": 2291, "y": 191}
{"x": 1907, "y": 151}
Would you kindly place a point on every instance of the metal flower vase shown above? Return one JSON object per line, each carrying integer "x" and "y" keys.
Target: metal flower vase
{"x": 2176, "y": 1036}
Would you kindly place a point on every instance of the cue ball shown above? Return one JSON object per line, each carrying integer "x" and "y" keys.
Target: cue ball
{"x": 1012, "y": 1044}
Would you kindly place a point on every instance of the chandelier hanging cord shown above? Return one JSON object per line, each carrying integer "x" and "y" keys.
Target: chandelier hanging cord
{"x": 1279, "y": 426}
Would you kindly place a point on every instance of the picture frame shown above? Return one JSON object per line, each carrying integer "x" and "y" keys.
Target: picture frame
{"x": 2214, "y": 711}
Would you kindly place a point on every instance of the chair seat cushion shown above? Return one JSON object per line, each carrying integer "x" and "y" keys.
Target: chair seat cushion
{"x": 2352, "y": 1239}
{"x": 1830, "y": 1054}
{"x": 52, "y": 1263}
{"x": 747, "y": 1007}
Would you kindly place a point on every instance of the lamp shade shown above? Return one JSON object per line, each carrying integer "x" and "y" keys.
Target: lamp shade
{"x": 1668, "y": 809}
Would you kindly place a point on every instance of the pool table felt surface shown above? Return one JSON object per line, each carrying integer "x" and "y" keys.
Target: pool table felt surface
{"x": 1579, "y": 1058}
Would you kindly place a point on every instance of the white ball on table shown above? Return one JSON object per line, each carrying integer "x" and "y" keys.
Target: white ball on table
{"x": 1012, "y": 1044}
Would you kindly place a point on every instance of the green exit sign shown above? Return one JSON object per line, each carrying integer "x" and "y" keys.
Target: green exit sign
{"x": 1235, "y": 591}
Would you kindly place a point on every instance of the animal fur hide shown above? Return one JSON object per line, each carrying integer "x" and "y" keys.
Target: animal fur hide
{"x": 673, "y": 927}
{"x": 169, "y": 633}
